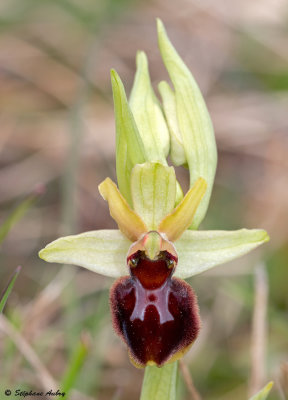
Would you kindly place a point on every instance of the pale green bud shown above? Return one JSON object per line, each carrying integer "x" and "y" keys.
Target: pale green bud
{"x": 193, "y": 119}
{"x": 129, "y": 147}
{"x": 177, "y": 152}
{"x": 148, "y": 114}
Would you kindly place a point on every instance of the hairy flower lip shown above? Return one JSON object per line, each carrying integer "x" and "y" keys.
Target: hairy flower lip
{"x": 157, "y": 318}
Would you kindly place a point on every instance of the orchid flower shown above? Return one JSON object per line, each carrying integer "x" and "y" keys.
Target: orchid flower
{"x": 157, "y": 246}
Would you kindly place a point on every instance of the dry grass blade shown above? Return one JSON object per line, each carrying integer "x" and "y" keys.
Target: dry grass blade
{"x": 46, "y": 379}
{"x": 189, "y": 381}
{"x": 44, "y": 306}
{"x": 258, "y": 344}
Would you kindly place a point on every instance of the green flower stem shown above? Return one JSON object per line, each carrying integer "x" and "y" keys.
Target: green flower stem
{"x": 160, "y": 383}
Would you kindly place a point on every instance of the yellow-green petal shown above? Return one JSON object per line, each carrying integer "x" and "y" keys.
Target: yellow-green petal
{"x": 174, "y": 224}
{"x": 199, "y": 251}
{"x": 130, "y": 224}
{"x": 193, "y": 119}
{"x": 102, "y": 251}
{"x": 129, "y": 146}
{"x": 153, "y": 188}
{"x": 263, "y": 394}
{"x": 148, "y": 114}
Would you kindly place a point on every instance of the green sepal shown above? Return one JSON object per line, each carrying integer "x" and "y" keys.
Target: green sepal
{"x": 193, "y": 120}
{"x": 102, "y": 251}
{"x": 199, "y": 251}
{"x": 129, "y": 146}
{"x": 153, "y": 188}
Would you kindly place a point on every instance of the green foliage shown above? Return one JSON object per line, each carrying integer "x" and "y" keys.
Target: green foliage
{"x": 263, "y": 394}
{"x": 7, "y": 225}
{"x": 7, "y": 291}
{"x": 75, "y": 365}
{"x": 16, "y": 215}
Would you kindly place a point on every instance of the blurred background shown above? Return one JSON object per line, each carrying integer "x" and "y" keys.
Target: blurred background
{"x": 57, "y": 131}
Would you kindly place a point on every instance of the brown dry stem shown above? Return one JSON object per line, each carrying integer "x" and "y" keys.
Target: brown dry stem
{"x": 189, "y": 381}
{"x": 259, "y": 330}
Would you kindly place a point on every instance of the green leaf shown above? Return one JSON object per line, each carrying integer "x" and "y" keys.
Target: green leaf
{"x": 263, "y": 394}
{"x": 199, "y": 251}
{"x": 102, "y": 251}
{"x": 16, "y": 215}
{"x": 129, "y": 146}
{"x": 177, "y": 152}
{"x": 160, "y": 383}
{"x": 8, "y": 289}
{"x": 193, "y": 120}
{"x": 148, "y": 114}
{"x": 153, "y": 188}
{"x": 75, "y": 365}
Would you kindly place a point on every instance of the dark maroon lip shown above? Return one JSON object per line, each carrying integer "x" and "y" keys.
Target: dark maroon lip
{"x": 151, "y": 273}
{"x": 155, "y": 314}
